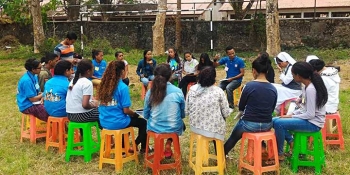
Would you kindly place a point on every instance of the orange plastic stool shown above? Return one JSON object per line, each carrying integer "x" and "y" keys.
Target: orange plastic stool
{"x": 202, "y": 155}
{"x": 284, "y": 104}
{"x": 32, "y": 128}
{"x": 254, "y": 152}
{"x": 158, "y": 154}
{"x": 339, "y": 135}
{"x": 106, "y": 148}
{"x": 190, "y": 84}
{"x": 237, "y": 95}
{"x": 56, "y": 127}
{"x": 143, "y": 89}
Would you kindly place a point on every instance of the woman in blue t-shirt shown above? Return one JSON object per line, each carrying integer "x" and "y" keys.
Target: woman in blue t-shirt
{"x": 175, "y": 63}
{"x": 145, "y": 68}
{"x": 99, "y": 66}
{"x": 164, "y": 106}
{"x": 55, "y": 89}
{"x": 28, "y": 91}
{"x": 115, "y": 102}
{"x": 256, "y": 104}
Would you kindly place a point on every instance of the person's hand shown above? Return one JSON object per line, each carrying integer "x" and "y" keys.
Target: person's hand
{"x": 216, "y": 57}
{"x": 279, "y": 68}
{"x": 136, "y": 115}
{"x": 150, "y": 62}
{"x": 287, "y": 116}
{"x": 229, "y": 79}
{"x": 94, "y": 103}
{"x": 184, "y": 72}
{"x": 142, "y": 76}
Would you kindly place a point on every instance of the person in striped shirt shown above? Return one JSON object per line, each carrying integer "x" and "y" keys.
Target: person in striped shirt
{"x": 65, "y": 50}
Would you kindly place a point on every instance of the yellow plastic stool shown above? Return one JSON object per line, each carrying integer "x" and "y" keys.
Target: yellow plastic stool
{"x": 237, "y": 95}
{"x": 202, "y": 155}
{"x": 106, "y": 150}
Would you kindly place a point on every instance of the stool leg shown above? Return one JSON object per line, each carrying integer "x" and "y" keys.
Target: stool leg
{"x": 102, "y": 150}
{"x": 134, "y": 145}
{"x": 61, "y": 137}
{"x": 48, "y": 133}
{"x": 199, "y": 156}
{"x": 127, "y": 144}
{"x": 340, "y": 133}
{"x": 157, "y": 156}
{"x": 69, "y": 144}
{"x": 107, "y": 145}
{"x": 191, "y": 149}
{"x": 257, "y": 157}
{"x": 118, "y": 152}
{"x": 32, "y": 129}
{"x": 220, "y": 155}
{"x": 177, "y": 155}
{"x": 87, "y": 137}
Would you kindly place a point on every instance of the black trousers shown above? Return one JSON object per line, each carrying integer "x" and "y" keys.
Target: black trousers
{"x": 141, "y": 124}
{"x": 184, "y": 83}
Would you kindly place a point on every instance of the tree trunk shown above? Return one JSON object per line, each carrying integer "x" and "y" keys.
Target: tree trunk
{"x": 249, "y": 6}
{"x": 38, "y": 30}
{"x": 272, "y": 28}
{"x": 178, "y": 45}
{"x": 158, "y": 29}
{"x": 237, "y": 8}
{"x": 73, "y": 10}
{"x": 104, "y": 8}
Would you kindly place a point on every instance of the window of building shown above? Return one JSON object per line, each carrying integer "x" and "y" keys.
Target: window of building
{"x": 318, "y": 15}
{"x": 290, "y": 15}
{"x": 340, "y": 14}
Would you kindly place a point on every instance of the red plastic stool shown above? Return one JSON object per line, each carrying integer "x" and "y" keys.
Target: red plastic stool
{"x": 32, "y": 128}
{"x": 339, "y": 135}
{"x": 190, "y": 84}
{"x": 284, "y": 104}
{"x": 158, "y": 154}
{"x": 143, "y": 89}
{"x": 254, "y": 152}
{"x": 56, "y": 127}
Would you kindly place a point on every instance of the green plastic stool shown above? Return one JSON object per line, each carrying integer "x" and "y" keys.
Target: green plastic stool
{"x": 176, "y": 83}
{"x": 301, "y": 147}
{"x": 89, "y": 146}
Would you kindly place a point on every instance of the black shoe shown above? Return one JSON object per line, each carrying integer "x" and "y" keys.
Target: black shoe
{"x": 231, "y": 106}
{"x": 143, "y": 150}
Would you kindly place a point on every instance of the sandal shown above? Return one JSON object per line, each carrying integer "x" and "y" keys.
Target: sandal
{"x": 168, "y": 154}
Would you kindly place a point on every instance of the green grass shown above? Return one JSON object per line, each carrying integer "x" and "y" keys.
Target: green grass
{"x": 26, "y": 158}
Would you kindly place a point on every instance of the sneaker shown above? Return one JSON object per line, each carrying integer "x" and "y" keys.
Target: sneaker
{"x": 231, "y": 106}
{"x": 143, "y": 150}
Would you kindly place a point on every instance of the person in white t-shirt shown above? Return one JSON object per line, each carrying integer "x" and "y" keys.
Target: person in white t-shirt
{"x": 80, "y": 105}
{"x": 189, "y": 72}
{"x": 120, "y": 57}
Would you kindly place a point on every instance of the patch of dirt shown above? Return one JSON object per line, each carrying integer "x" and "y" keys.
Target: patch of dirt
{"x": 8, "y": 41}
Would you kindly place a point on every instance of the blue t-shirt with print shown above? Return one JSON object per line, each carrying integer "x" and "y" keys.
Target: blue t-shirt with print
{"x": 112, "y": 115}
{"x": 28, "y": 87}
{"x": 55, "y": 92}
{"x": 99, "y": 68}
{"x": 233, "y": 66}
{"x": 173, "y": 64}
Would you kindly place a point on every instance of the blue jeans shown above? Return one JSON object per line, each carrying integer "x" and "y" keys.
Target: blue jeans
{"x": 229, "y": 87}
{"x": 244, "y": 126}
{"x": 283, "y": 125}
{"x": 145, "y": 80}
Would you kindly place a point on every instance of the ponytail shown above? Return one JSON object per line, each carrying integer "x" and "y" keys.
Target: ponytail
{"x": 162, "y": 74}
{"x": 321, "y": 90}
{"x": 83, "y": 66}
{"x": 76, "y": 78}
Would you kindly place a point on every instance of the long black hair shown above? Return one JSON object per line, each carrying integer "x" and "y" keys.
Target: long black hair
{"x": 176, "y": 57}
{"x": 306, "y": 71}
{"x": 144, "y": 57}
{"x": 83, "y": 66}
{"x": 95, "y": 52}
{"x": 162, "y": 74}
{"x": 317, "y": 64}
{"x": 207, "y": 61}
{"x": 262, "y": 64}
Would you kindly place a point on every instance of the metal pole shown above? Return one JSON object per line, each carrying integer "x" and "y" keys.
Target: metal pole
{"x": 211, "y": 32}
{"x": 81, "y": 35}
{"x": 315, "y": 10}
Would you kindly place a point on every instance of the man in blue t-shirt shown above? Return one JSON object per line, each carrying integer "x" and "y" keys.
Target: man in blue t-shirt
{"x": 234, "y": 67}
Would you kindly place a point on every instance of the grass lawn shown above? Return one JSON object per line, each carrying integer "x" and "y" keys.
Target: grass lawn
{"x": 26, "y": 158}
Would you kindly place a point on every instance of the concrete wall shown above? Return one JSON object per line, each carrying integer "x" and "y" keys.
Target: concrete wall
{"x": 196, "y": 35}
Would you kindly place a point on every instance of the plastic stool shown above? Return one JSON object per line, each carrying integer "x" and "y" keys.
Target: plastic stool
{"x": 158, "y": 154}
{"x": 56, "y": 127}
{"x": 284, "y": 105}
{"x": 254, "y": 152}
{"x": 190, "y": 84}
{"x": 300, "y": 147}
{"x": 143, "y": 89}
{"x": 106, "y": 149}
{"x": 339, "y": 135}
{"x": 237, "y": 95}
{"x": 202, "y": 155}
{"x": 32, "y": 128}
{"x": 89, "y": 146}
